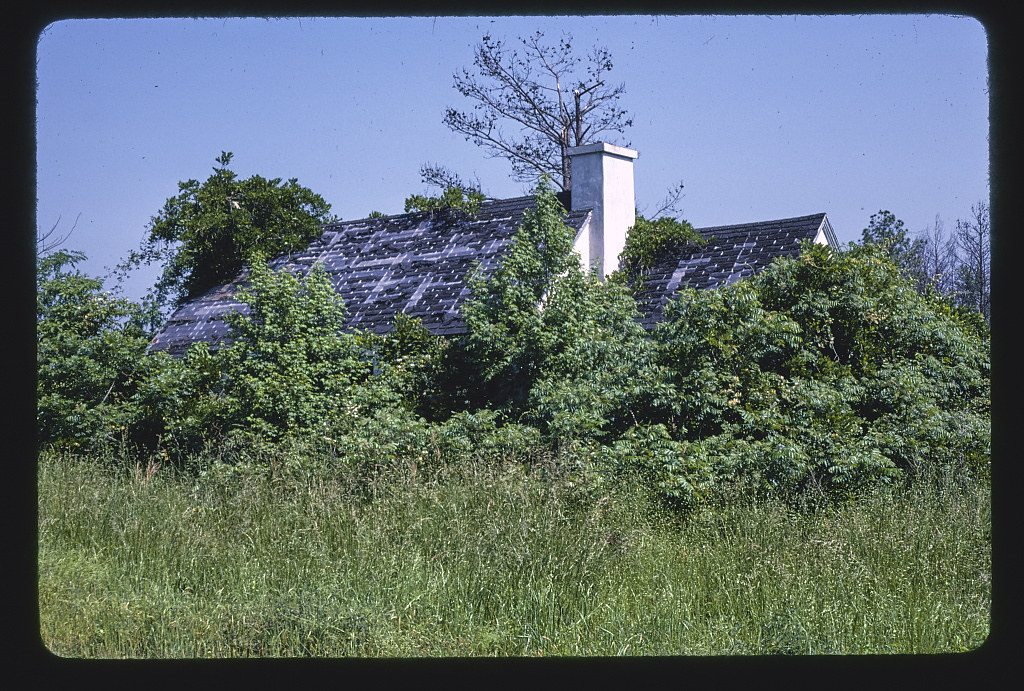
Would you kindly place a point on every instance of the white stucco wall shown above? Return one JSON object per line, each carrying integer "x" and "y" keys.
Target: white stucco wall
{"x": 602, "y": 180}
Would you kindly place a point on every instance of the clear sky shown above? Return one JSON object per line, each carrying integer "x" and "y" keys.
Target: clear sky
{"x": 760, "y": 117}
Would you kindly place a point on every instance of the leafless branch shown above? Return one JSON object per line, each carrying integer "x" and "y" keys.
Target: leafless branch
{"x": 670, "y": 204}
{"x": 938, "y": 257}
{"x": 46, "y": 242}
{"x": 973, "y": 241}
{"x": 552, "y": 98}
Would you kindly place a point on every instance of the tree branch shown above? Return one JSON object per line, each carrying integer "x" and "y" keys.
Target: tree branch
{"x": 43, "y": 242}
{"x": 531, "y": 90}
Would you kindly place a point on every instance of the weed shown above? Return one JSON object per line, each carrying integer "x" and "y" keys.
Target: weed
{"x": 480, "y": 558}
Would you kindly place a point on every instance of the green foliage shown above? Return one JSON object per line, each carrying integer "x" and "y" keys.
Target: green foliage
{"x": 291, "y": 368}
{"x": 182, "y": 402}
{"x": 89, "y": 354}
{"x": 646, "y": 241}
{"x": 465, "y": 199}
{"x": 288, "y": 371}
{"x": 955, "y": 267}
{"x": 822, "y": 376}
{"x": 409, "y": 366}
{"x": 509, "y": 332}
{"x": 519, "y": 490}
{"x": 828, "y": 372}
{"x": 302, "y": 556}
{"x": 206, "y": 233}
{"x": 887, "y": 231}
{"x": 562, "y": 351}
{"x": 649, "y": 455}
{"x": 598, "y": 376}
{"x": 557, "y": 349}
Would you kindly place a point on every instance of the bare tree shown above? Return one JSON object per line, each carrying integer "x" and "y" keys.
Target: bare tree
{"x": 49, "y": 241}
{"x": 938, "y": 258}
{"x": 550, "y": 98}
{"x": 973, "y": 242}
{"x": 670, "y": 204}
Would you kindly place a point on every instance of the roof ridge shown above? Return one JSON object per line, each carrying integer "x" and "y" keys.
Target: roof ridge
{"x": 488, "y": 202}
{"x": 763, "y": 223}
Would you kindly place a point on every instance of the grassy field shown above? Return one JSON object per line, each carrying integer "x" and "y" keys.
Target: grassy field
{"x": 492, "y": 560}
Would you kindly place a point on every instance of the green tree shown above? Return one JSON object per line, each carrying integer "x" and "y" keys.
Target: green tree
{"x": 559, "y": 349}
{"x": 459, "y": 198}
{"x": 90, "y": 351}
{"x": 508, "y": 335}
{"x": 887, "y": 231}
{"x": 598, "y": 377}
{"x": 291, "y": 367}
{"x": 411, "y": 367}
{"x": 205, "y": 233}
{"x": 290, "y": 370}
{"x": 826, "y": 371}
{"x": 181, "y": 403}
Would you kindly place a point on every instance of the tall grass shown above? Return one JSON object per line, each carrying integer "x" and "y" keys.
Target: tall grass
{"x": 484, "y": 559}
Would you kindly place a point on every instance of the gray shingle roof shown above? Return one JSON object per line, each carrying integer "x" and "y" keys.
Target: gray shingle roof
{"x": 732, "y": 252}
{"x": 416, "y": 263}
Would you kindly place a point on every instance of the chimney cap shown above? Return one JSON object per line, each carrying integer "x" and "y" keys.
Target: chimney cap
{"x": 602, "y": 147}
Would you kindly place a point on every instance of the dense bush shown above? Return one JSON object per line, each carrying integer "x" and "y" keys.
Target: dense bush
{"x": 558, "y": 348}
{"x": 290, "y": 369}
{"x": 89, "y": 355}
{"x": 824, "y": 374}
{"x": 648, "y": 240}
{"x": 511, "y": 334}
{"x": 205, "y": 233}
{"x": 829, "y": 371}
{"x": 459, "y": 198}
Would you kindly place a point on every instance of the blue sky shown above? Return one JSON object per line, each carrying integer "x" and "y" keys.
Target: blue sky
{"x": 760, "y": 117}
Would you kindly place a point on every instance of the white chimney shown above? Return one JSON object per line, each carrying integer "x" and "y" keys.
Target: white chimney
{"x": 602, "y": 180}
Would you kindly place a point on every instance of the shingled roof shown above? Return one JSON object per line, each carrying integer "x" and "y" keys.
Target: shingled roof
{"x": 732, "y": 253}
{"x": 416, "y": 263}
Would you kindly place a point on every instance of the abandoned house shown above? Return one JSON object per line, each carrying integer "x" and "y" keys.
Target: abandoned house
{"x": 417, "y": 263}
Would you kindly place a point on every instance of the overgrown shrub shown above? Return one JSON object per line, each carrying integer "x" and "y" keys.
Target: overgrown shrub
{"x": 454, "y": 197}
{"x": 89, "y": 355}
{"x": 823, "y": 375}
{"x": 411, "y": 368}
{"x": 510, "y": 334}
{"x": 205, "y": 234}
{"x": 557, "y": 348}
{"x": 827, "y": 371}
{"x": 599, "y": 376}
{"x": 649, "y": 240}
{"x": 291, "y": 367}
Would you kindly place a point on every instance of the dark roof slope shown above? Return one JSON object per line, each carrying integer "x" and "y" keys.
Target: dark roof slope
{"x": 732, "y": 252}
{"x": 416, "y": 263}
